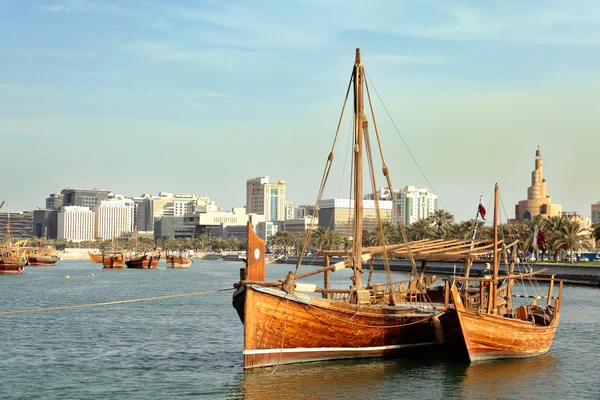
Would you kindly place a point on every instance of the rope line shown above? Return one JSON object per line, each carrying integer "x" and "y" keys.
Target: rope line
{"x": 109, "y": 303}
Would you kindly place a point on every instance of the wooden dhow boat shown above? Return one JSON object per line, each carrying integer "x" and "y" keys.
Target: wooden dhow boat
{"x": 143, "y": 261}
{"x": 12, "y": 261}
{"x": 284, "y": 325}
{"x": 113, "y": 260}
{"x": 178, "y": 261}
{"x": 491, "y": 325}
{"x": 95, "y": 257}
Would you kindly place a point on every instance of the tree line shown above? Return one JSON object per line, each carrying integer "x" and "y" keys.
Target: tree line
{"x": 562, "y": 236}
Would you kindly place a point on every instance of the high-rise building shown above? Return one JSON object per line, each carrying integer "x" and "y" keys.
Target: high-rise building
{"x": 114, "y": 218}
{"x": 75, "y": 223}
{"x": 338, "y": 214}
{"x": 596, "y": 213}
{"x": 143, "y": 218}
{"x": 537, "y": 203}
{"x": 45, "y": 223}
{"x": 289, "y": 211}
{"x": 54, "y": 201}
{"x": 414, "y": 204}
{"x": 84, "y": 197}
{"x": 21, "y": 225}
{"x": 305, "y": 210}
{"x": 264, "y": 198}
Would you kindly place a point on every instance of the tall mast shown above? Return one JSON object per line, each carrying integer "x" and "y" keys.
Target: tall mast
{"x": 8, "y": 228}
{"x": 494, "y": 285}
{"x": 359, "y": 119}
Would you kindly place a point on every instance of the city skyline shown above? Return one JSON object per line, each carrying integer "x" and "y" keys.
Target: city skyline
{"x": 199, "y": 98}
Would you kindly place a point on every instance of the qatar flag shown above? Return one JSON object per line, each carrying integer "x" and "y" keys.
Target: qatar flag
{"x": 481, "y": 209}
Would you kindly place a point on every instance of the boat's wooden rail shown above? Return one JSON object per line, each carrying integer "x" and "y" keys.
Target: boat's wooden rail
{"x": 490, "y": 296}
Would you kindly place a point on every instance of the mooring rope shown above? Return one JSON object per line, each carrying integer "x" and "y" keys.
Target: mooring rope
{"x": 109, "y": 303}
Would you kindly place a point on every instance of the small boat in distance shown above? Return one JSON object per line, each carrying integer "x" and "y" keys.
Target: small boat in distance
{"x": 143, "y": 261}
{"x": 178, "y": 260}
{"x": 11, "y": 261}
{"x": 41, "y": 259}
{"x": 95, "y": 257}
{"x": 113, "y": 260}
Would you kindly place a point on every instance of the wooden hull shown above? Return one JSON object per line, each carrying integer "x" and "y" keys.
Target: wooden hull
{"x": 113, "y": 261}
{"x": 490, "y": 337}
{"x": 41, "y": 260}
{"x": 10, "y": 269}
{"x": 178, "y": 262}
{"x": 95, "y": 257}
{"x": 282, "y": 328}
{"x": 146, "y": 261}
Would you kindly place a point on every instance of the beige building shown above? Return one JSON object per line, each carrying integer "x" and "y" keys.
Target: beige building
{"x": 596, "y": 213}
{"x": 268, "y": 199}
{"x": 338, "y": 214}
{"x": 537, "y": 203}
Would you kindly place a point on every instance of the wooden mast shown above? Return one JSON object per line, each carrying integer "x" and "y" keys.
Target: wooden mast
{"x": 494, "y": 284}
{"x": 358, "y": 181}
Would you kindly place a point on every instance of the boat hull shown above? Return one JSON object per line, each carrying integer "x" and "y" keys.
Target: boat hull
{"x": 178, "y": 262}
{"x": 95, "y": 257}
{"x": 10, "y": 269}
{"x": 113, "y": 261}
{"x": 491, "y": 337}
{"x": 146, "y": 261}
{"x": 282, "y": 328}
{"x": 41, "y": 261}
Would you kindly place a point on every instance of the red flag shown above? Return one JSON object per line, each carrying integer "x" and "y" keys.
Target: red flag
{"x": 481, "y": 209}
{"x": 110, "y": 241}
{"x": 540, "y": 239}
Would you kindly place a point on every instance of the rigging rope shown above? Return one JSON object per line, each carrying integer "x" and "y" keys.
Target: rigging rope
{"x": 110, "y": 303}
{"x": 403, "y": 141}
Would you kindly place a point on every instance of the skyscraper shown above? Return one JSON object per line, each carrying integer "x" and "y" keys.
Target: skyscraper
{"x": 114, "y": 218}
{"x": 264, "y": 198}
{"x": 75, "y": 223}
{"x": 414, "y": 204}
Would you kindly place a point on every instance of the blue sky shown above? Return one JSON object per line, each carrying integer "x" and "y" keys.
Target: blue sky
{"x": 196, "y": 97}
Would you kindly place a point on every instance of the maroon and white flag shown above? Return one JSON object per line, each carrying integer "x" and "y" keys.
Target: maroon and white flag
{"x": 481, "y": 208}
{"x": 539, "y": 238}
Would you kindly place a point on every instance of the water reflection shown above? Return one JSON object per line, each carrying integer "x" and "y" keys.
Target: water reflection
{"x": 536, "y": 377}
{"x": 327, "y": 380}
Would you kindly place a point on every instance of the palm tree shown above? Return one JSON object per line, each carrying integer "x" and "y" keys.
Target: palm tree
{"x": 441, "y": 220}
{"x": 574, "y": 238}
{"x": 596, "y": 233}
{"x": 326, "y": 239}
{"x": 420, "y": 229}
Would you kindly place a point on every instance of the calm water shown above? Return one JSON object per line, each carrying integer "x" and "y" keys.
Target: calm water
{"x": 190, "y": 347}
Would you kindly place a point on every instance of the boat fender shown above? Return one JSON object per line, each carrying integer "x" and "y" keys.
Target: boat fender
{"x": 438, "y": 330}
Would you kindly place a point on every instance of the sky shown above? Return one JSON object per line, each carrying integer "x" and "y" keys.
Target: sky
{"x": 199, "y": 96}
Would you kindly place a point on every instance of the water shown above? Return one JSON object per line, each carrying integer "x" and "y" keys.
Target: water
{"x": 190, "y": 347}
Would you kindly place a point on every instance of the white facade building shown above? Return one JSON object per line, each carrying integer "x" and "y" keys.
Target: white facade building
{"x": 114, "y": 218}
{"x": 75, "y": 223}
{"x": 414, "y": 204}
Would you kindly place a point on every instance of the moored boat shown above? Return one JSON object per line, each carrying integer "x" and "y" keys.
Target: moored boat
{"x": 143, "y": 261}
{"x": 42, "y": 260}
{"x": 114, "y": 260}
{"x": 493, "y": 327}
{"x": 178, "y": 261}
{"x": 284, "y": 324}
{"x": 11, "y": 262}
{"x": 95, "y": 257}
